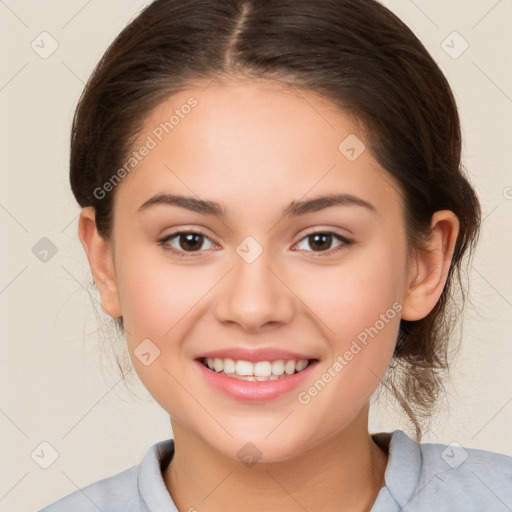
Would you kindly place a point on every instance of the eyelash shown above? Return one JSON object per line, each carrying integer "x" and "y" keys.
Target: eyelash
{"x": 345, "y": 242}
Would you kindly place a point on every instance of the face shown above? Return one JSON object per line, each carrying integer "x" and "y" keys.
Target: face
{"x": 263, "y": 271}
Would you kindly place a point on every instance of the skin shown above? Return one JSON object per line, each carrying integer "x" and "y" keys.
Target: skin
{"x": 255, "y": 148}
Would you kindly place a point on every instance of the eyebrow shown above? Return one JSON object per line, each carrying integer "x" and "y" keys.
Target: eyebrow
{"x": 294, "y": 209}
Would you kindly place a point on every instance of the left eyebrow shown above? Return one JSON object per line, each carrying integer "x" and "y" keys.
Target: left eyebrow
{"x": 295, "y": 209}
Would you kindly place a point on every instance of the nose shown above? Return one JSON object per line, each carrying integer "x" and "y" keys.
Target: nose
{"x": 255, "y": 296}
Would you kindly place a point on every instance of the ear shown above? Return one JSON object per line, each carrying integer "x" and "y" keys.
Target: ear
{"x": 101, "y": 260}
{"x": 430, "y": 267}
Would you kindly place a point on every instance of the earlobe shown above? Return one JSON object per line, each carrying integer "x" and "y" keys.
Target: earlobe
{"x": 101, "y": 260}
{"x": 430, "y": 267}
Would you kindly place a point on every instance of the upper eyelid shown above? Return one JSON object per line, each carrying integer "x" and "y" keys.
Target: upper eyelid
{"x": 324, "y": 231}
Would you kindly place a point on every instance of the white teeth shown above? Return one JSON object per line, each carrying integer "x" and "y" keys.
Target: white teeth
{"x": 263, "y": 369}
{"x": 229, "y": 366}
{"x": 289, "y": 367}
{"x": 258, "y": 371}
{"x": 218, "y": 364}
{"x": 300, "y": 365}
{"x": 278, "y": 367}
{"x": 252, "y": 377}
{"x": 243, "y": 368}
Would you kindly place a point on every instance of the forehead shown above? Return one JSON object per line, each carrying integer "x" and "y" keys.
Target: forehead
{"x": 253, "y": 144}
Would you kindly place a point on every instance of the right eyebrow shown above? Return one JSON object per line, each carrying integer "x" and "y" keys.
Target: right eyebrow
{"x": 190, "y": 203}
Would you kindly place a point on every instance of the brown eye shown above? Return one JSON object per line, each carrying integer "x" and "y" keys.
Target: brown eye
{"x": 322, "y": 242}
{"x": 190, "y": 241}
{"x": 184, "y": 242}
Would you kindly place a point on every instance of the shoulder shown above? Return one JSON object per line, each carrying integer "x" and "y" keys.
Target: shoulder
{"x": 477, "y": 478}
{"x": 137, "y": 489}
{"x": 449, "y": 475}
{"x": 115, "y": 493}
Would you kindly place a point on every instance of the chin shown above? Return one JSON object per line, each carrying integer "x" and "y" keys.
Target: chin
{"x": 261, "y": 449}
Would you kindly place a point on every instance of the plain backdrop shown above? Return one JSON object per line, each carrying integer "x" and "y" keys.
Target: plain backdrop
{"x": 58, "y": 381}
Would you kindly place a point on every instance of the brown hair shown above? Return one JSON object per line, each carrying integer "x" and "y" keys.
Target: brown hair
{"x": 355, "y": 53}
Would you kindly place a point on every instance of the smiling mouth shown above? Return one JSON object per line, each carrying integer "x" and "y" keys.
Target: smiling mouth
{"x": 259, "y": 371}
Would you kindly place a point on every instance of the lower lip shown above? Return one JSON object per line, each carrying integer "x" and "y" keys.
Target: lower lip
{"x": 254, "y": 391}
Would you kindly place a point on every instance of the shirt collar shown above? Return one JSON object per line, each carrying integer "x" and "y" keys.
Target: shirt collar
{"x": 403, "y": 470}
{"x": 151, "y": 486}
{"x": 400, "y": 479}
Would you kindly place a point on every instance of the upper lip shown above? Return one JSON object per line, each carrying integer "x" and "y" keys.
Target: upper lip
{"x": 254, "y": 354}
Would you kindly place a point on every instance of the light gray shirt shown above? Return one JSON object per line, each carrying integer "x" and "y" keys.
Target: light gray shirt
{"x": 419, "y": 477}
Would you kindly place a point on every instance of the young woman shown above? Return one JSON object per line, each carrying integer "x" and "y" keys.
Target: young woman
{"x": 274, "y": 210}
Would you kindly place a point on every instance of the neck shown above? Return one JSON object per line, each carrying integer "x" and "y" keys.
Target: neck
{"x": 343, "y": 473}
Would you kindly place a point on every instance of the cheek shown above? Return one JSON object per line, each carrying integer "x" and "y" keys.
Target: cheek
{"x": 359, "y": 306}
{"x": 362, "y": 323}
{"x": 155, "y": 294}
{"x": 352, "y": 297}
{"x": 156, "y": 299}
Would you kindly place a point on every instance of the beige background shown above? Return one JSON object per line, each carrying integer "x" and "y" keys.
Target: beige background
{"x": 56, "y": 388}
